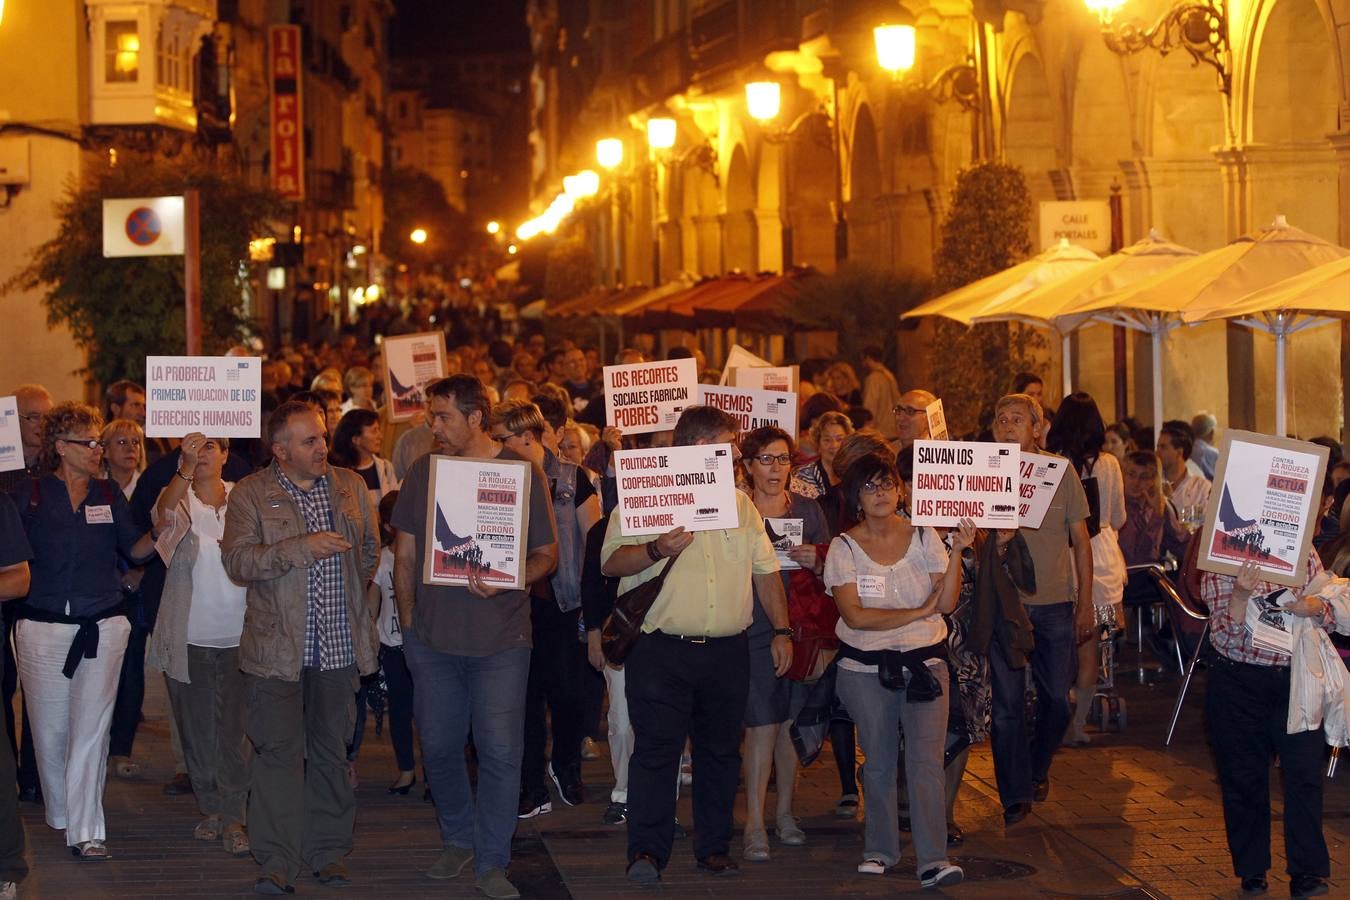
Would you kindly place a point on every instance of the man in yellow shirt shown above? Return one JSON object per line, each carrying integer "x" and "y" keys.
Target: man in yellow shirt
{"x": 688, "y": 675}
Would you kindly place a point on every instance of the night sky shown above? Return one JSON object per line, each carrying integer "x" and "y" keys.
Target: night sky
{"x": 429, "y": 25}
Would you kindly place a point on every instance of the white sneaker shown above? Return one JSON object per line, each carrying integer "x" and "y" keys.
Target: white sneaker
{"x": 941, "y": 876}
{"x": 872, "y": 867}
{"x": 589, "y": 750}
{"x": 8, "y": 890}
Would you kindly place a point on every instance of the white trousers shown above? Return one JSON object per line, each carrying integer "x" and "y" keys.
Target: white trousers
{"x": 71, "y": 718}
{"x": 620, "y": 734}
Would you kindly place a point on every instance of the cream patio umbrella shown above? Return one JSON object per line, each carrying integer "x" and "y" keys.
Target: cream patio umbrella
{"x": 1047, "y": 305}
{"x": 1208, "y": 282}
{"x": 1049, "y": 266}
{"x": 1317, "y": 297}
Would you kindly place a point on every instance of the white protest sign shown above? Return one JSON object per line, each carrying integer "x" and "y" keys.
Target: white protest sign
{"x": 766, "y": 378}
{"x": 739, "y": 357}
{"x": 753, "y": 409}
{"x": 1041, "y": 475}
{"x": 784, "y": 534}
{"x": 669, "y": 487}
{"x": 411, "y": 362}
{"x": 645, "y": 397}
{"x": 954, "y": 481}
{"x": 218, "y": 395}
{"x": 11, "y": 440}
{"x": 143, "y": 226}
{"x": 937, "y": 421}
{"x": 478, "y": 521}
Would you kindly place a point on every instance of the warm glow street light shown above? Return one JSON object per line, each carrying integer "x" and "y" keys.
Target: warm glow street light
{"x": 609, "y": 152}
{"x": 1104, "y": 9}
{"x": 763, "y": 99}
{"x": 896, "y": 46}
{"x": 418, "y": 236}
{"x": 661, "y": 133}
{"x": 494, "y": 227}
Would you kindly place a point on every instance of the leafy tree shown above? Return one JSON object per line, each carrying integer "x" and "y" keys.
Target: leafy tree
{"x": 571, "y": 271}
{"x": 413, "y": 199}
{"x": 985, "y": 232}
{"x": 861, "y": 303}
{"x": 121, "y": 310}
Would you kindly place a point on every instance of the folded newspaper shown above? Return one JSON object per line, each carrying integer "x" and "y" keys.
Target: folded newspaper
{"x": 1269, "y": 623}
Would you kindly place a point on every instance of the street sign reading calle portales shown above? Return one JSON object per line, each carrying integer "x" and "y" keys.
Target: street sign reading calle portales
{"x": 143, "y": 226}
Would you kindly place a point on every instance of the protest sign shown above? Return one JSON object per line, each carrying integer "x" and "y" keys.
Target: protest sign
{"x": 1263, "y": 506}
{"x": 411, "y": 362}
{"x": 739, "y": 357}
{"x": 784, "y": 534}
{"x": 645, "y": 397}
{"x": 937, "y": 421}
{"x": 753, "y": 409}
{"x": 766, "y": 378}
{"x": 671, "y": 487}
{"x": 1041, "y": 475}
{"x": 478, "y": 521}
{"x": 954, "y": 481}
{"x": 11, "y": 439}
{"x": 220, "y": 396}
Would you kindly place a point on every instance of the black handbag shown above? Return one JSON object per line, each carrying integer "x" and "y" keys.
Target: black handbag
{"x": 624, "y": 625}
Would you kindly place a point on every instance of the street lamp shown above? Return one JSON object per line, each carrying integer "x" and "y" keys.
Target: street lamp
{"x": 661, "y": 133}
{"x": 418, "y": 236}
{"x": 494, "y": 227}
{"x": 1199, "y": 28}
{"x": 763, "y": 99}
{"x": 896, "y": 47}
{"x": 609, "y": 153}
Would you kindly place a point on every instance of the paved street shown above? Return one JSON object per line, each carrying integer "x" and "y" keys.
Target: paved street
{"x": 1125, "y": 818}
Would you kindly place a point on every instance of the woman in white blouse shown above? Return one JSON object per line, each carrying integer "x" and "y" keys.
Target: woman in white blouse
{"x": 891, "y": 582}
{"x": 196, "y": 639}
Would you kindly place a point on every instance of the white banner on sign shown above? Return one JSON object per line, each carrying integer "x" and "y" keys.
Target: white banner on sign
{"x": 785, "y": 534}
{"x": 765, "y": 378}
{"x": 754, "y": 409}
{"x": 11, "y": 439}
{"x": 143, "y": 226}
{"x": 411, "y": 362}
{"x": 954, "y": 481}
{"x": 739, "y": 357}
{"x": 220, "y": 396}
{"x": 645, "y": 397}
{"x": 478, "y": 521}
{"x": 672, "y": 487}
{"x": 937, "y": 421}
{"x": 1041, "y": 475}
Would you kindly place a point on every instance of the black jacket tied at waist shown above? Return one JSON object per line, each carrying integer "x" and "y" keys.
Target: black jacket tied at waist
{"x": 891, "y": 664}
{"x": 85, "y": 645}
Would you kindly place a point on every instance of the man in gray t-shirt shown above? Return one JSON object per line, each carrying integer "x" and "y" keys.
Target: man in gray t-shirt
{"x": 468, "y": 649}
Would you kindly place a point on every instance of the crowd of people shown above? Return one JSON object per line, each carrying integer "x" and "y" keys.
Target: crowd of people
{"x": 276, "y": 584}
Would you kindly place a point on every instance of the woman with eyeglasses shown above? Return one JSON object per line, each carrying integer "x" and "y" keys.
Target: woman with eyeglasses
{"x": 196, "y": 639}
{"x": 819, "y": 479}
{"x": 774, "y": 702}
{"x": 892, "y": 582}
{"x": 72, "y": 629}
{"x": 124, "y": 458}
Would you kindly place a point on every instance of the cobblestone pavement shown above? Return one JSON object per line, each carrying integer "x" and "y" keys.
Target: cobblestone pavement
{"x": 1125, "y": 818}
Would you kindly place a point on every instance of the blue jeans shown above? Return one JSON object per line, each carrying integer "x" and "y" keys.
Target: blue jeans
{"x": 487, "y": 694}
{"x": 1054, "y": 665}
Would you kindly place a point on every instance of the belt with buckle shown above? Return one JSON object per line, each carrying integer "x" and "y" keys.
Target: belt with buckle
{"x": 696, "y": 638}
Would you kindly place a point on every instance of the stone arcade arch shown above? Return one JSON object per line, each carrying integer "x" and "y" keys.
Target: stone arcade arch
{"x": 739, "y": 249}
{"x": 866, "y": 234}
{"x": 810, "y": 192}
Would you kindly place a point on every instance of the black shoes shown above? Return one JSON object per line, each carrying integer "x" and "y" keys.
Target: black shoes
{"x": 615, "y": 814}
{"x": 272, "y": 884}
{"x": 31, "y": 794}
{"x": 643, "y": 869}
{"x": 568, "y": 782}
{"x": 401, "y": 789}
{"x": 719, "y": 864}
{"x": 955, "y": 836}
{"x": 1016, "y": 813}
{"x": 1302, "y": 886}
{"x": 534, "y": 803}
{"x": 1040, "y": 790}
{"x": 1254, "y": 885}
{"x": 334, "y": 874}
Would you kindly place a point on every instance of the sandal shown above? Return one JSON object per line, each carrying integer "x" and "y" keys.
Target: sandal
{"x": 756, "y": 847}
{"x": 235, "y": 840}
{"x": 789, "y": 832}
{"x": 124, "y": 766}
{"x": 208, "y": 829}
{"x": 91, "y": 851}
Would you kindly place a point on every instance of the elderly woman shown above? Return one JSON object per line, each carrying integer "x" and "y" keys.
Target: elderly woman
{"x": 892, "y": 582}
{"x": 196, "y": 639}
{"x": 71, "y": 631}
{"x": 124, "y": 453}
{"x": 774, "y": 702}
{"x": 819, "y": 477}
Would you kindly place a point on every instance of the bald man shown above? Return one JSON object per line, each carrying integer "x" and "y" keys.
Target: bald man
{"x": 911, "y": 417}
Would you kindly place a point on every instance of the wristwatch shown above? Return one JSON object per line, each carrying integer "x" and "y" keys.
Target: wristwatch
{"x": 782, "y": 632}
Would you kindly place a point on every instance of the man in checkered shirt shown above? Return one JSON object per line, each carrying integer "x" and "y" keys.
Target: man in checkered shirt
{"x": 302, "y": 536}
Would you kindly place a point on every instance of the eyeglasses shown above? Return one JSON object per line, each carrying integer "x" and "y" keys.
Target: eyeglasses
{"x": 503, "y": 438}
{"x": 879, "y": 487}
{"x": 89, "y": 443}
{"x": 124, "y": 442}
{"x": 902, "y": 410}
{"x": 768, "y": 459}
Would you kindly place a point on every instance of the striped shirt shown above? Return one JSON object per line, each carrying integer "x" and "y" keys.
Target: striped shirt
{"x": 1227, "y": 623}
{"x": 328, "y": 634}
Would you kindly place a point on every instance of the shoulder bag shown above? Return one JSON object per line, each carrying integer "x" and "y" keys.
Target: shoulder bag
{"x": 624, "y": 625}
